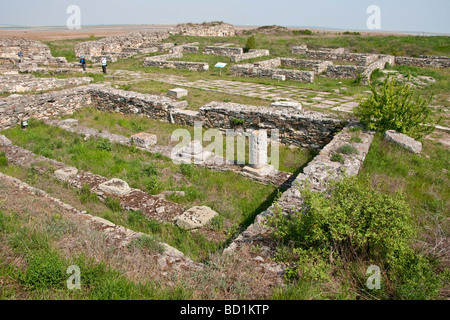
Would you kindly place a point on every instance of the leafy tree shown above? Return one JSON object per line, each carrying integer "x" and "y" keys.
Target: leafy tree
{"x": 396, "y": 107}
{"x": 251, "y": 44}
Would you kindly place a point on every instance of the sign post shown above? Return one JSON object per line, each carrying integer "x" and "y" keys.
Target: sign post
{"x": 220, "y": 65}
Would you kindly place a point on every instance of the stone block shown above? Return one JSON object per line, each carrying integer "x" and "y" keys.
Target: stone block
{"x": 196, "y": 217}
{"x": 66, "y": 174}
{"x": 279, "y": 77}
{"x": 4, "y": 141}
{"x": 403, "y": 141}
{"x": 178, "y": 93}
{"x": 260, "y": 172}
{"x": 144, "y": 140}
{"x": 115, "y": 186}
{"x": 69, "y": 122}
{"x": 287, "y": 104}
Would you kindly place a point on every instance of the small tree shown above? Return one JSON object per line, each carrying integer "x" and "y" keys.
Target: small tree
{"x": 251, "y": 44}
{"x": 396, "y": 107}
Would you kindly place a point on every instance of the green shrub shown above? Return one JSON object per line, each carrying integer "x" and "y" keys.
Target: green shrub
{"x": 250, "y": 44}
{"x": 348, "y": 223}
{"x": 306, "y": 32}
{"x": 396, "y": 107}
{"x": 347, "y": 149}
{"x": 113, "y": 204}
{"x": 104, "y": 145}
{"x": 355, "y": 140}
{"x": 187, "y": 169}
{"x": 152, "y": 184}
{"x": 150, "y": 170}
{"x": 237, "y": 121}
{"x": 337, "y": 157}
{"x": 3, "y": 160}
{"x": 217, "y": 223}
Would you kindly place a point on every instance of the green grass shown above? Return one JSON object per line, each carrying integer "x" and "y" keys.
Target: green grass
{"x": 421, "y": 178}
{"x": 44, "y": 275}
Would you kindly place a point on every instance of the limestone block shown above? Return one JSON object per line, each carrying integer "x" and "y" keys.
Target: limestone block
{"x": 144, "y": 140}
{"x": 66, "y": 174}
{"x": 4, "y": 141}
{"x": 260, "y": 172}
{"x": 279, "y": 77}
{"x": 196, "y": 217}
{"x": 115, "y": 186}
{"x": 69, "y": 122}
{"x": 403, "y": 141}
{"x": 178, "y": 93}
{"x": 258, "y": 149}
{"x": 287, "y": 104}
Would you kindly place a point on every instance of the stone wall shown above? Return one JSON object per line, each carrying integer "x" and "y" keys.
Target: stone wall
{"x": 211, "y": 29}
{"x": 194, "y": 66}
{"x": 303, "y": 128}
{"x": 42, "y": 106}
{"x": 344, "y": 72}
{"x": 34, "y": 53}
{"x": 29, "y": 83}
{"x": 223, "y": 51}
{"x": 424, "y": 61}
{"x": 253, "y": 53}
{"x": 318, "y": 66}
{"x": 379, "y": 64}
{"x": 249, "y": 70}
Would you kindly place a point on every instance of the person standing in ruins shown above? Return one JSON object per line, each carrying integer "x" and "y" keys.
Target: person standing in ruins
{"x": 104, "y": 64}
{"x": 83, "y": 63}
{"x": 20, "y": 54}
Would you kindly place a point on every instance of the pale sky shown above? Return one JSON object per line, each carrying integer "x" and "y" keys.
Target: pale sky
{"x": 396, "y": 15}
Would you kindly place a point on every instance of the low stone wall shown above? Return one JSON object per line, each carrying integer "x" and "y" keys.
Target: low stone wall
{"x": 272, "y": 63}
{"x": 253, "y": 53}
{"x": 424, "y": 61}
{"x": 346, "y": 72}
{"x": 29, "y": 83}
{"x": 43, "y": 106}
{"x": 379, "y": 64}
{"x": 194, "y": 66}
{"x": 318, "y": 66}
{"x": 223, "y": 51}
{"x": 302, "y": 128}
{"x": 208, "y": 29}
{"x": 249, "y": 70}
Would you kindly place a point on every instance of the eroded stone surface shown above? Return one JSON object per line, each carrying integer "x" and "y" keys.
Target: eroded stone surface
{"x": 115, "y": 186}
{"x": 178, "y": 93}
{"x": 66, "y": 174}
{"x": 403, "y": 141}
{"x": 196, "y": 217}
{"x": 144, "y": 140}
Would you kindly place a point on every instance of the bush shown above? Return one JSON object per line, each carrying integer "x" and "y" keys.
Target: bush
{"x": 347, "y": 149}
{"x": 150, "y": 170}
{"x": 396, "y": 107}
{"x": 104, "y": 145}
{"x": 3, "y": 160}
{"x": 306, "y": 32}
{"x": 337, "y": 158}
{"x": 250, "y": 44}
{"x": 352, "y": 223}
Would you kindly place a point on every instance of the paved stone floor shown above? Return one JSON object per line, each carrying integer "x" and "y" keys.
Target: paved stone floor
{"x": 313, "y": 98}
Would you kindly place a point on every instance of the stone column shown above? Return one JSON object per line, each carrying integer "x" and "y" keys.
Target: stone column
{"x": 258, "y": 154}
{"x": 258, "y": 149}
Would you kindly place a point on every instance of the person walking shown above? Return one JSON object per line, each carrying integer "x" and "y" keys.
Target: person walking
{"x": 83, "y": 63}
{"x": 20, "y": 54}
{"x": 104, "y": 64}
